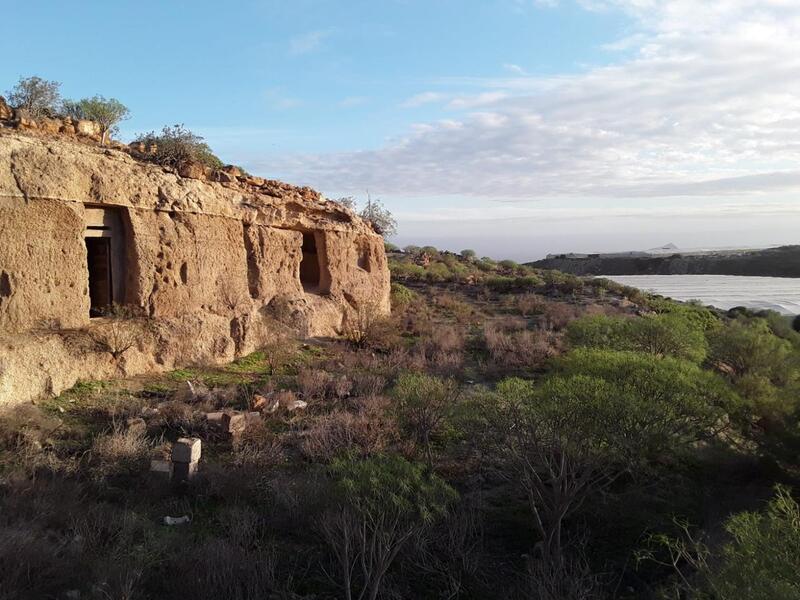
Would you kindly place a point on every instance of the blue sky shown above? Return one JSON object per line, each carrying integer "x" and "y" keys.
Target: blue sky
{"x": 517, "y": 127}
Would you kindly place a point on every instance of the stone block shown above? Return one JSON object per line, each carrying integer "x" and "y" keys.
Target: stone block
{"x": 214, "y": 419}
{"x": 186, "y": 450}
{"x": 233, "y": 422}
{"x": 161, "y": 468}
{"x": 182, "y": 471}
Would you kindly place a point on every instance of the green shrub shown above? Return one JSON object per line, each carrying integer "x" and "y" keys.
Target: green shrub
{"x": 750, "y": 348}
{"x": 661, "y": 335}
{"x": 423, "y": 405}
{"x": 378, "y": 505}
{"x": 673, "y": 401}
{"x": 401, "y": 295}
{"x": 504, "y": 285}
{"x": 700, "y": 315}
{"x": 760, "y": 562}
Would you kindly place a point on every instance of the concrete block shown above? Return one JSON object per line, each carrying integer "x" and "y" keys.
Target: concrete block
{"x": 214, "y": 419}
{"x": 161, "y": 468}
{"x": 186, "y": 450}
{"x": 234, "y": 422}
{"x": 182, "y": 471}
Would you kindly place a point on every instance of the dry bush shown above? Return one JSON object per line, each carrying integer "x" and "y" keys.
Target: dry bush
{"x": 313, "y": 383}
{"x": 530, "y": 304}
{"x": 557, "y": 315}
{"x": 25, "y": 436}
{"x": 120, "y": 452}
{"x": 453, "y": 552}
{"x": 178, "y": 416}
{"x": 512, "y": 346}
{"x": 367, "y": 327}
{"x": 123, "y": 327}
{"x": 368, "y": 384}
{"x": 461, "y": 311}
{"x": 447, "y": 363}
{"x": 32, "y": 565}
{"x": 415, "y": 317}
{"x": 321, "y": 385}
{"x": 224, "y": 568}
{"x": 367, "y": 430}
{"x": 258, "y": 447}
{"x": 446, "y": 338}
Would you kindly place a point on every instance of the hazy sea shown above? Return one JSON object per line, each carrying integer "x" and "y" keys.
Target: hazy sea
{"x": 723, "y": 291}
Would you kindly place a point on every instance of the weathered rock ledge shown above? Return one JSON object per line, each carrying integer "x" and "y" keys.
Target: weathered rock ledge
{"x": 213, "y": 269}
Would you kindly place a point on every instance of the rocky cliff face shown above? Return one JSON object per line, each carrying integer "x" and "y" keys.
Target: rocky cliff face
{"x": 773, "y": 262}
{"x": 210, "y": 270}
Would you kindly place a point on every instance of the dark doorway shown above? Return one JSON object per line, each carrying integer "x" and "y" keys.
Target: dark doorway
{"x": 101, "y": 295}
{"x": 309, "y": 265}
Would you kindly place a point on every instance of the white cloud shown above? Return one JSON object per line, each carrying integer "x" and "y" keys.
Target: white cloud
{"x": 708, "y": 105}
{"x": 307, "y": 42}
{"x": 512, "y": 68}
{"x": 422, "y": 99}
{"x": 476, "y": 101}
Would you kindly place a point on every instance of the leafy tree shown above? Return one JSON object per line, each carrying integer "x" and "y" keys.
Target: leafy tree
{"x": 469, "y": 255}
{"x": 38, "y": 96}
{"x": 423, "y": 405}
{"x": 178, "y": 145}
{"x": 379, "y": 504}
{"x": 107, "y": 112}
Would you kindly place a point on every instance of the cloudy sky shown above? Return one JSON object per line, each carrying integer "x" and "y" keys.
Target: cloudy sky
{"x": 515, "y": 127}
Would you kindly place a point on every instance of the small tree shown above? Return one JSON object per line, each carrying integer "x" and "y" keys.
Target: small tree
{"x": 468, "y": 254}
{"x": 760, "y": 562}
{"x": 379, "y": 504}
{"x": 423, "y": 405}
{"x": 38, "y": 96}
{"x": 106, "y": 112}
{"x": 604, "y": 414}
{"x": 379, "y": 217}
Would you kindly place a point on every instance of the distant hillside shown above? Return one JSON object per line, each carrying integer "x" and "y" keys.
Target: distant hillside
{"x": 783, "y": 261}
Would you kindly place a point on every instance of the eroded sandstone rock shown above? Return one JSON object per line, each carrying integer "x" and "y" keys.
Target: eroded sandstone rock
{"x": 207, "y": 271}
